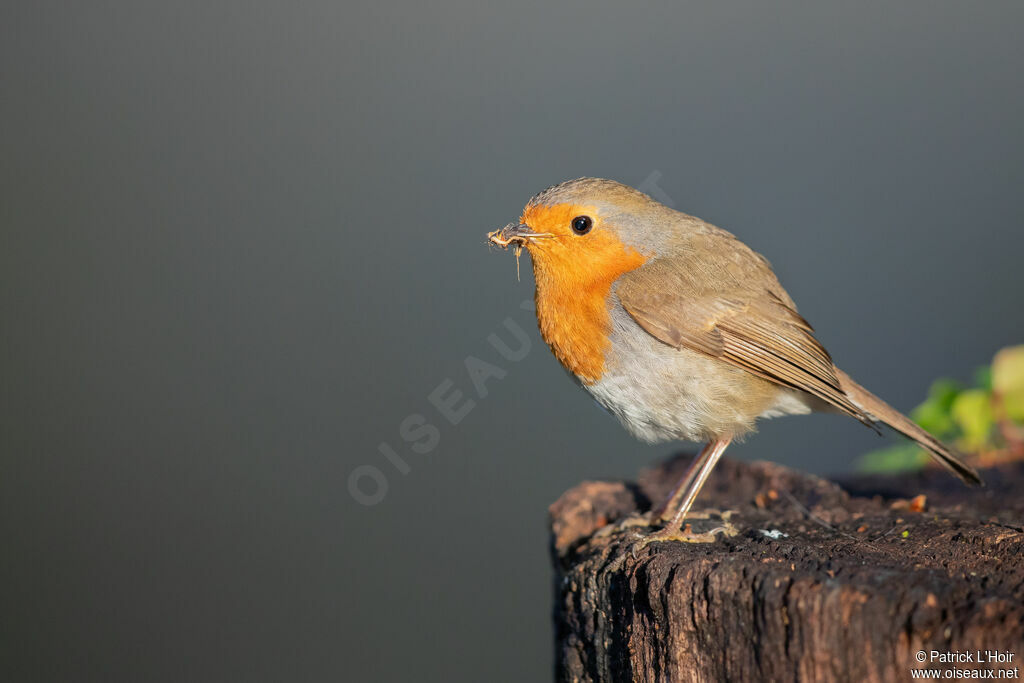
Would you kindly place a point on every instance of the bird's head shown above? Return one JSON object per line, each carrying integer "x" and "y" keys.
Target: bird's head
{"x": 588, "y": 230}
{"x": 582, "y": 236}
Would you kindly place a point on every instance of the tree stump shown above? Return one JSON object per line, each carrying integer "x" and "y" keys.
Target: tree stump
{"x": 852, "y": 581}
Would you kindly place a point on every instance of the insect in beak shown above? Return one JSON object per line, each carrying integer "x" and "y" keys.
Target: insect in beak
{"x": 516, "y": 235}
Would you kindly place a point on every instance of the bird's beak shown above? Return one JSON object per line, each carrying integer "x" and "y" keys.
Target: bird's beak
{"x": 518, "y": 234}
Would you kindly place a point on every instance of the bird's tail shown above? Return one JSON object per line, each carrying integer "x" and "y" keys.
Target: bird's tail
{"x": 883, "y": 412}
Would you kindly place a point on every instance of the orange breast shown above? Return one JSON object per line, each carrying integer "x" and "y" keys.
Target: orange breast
{"x": 576, "y": 325}
{"x": 574, "y": 278}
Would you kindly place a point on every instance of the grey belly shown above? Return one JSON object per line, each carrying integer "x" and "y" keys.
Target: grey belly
{"x": 660, "y": 393}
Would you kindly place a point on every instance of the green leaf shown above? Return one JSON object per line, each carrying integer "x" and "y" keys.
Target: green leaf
{"x": 1008, "y": 380}
{"x": 934, "y": 414}
{"x": 934, "y": 419}
{"x": 972, "y": 411}
{"x": 983, "y": 377}
{"x": 944, "y": 391}
{"x": 898, "y": 458}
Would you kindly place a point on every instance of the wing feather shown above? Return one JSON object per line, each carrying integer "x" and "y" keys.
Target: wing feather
{"x": 747, "y": 324}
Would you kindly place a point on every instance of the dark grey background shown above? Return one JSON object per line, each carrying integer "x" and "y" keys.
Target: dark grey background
{"x": 243, "y": 241}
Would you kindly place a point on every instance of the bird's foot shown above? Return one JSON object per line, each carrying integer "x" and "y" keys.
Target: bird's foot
{"x": 646, "y": 519}
{"x": 711, "y": 523}
{"x": 639, "y": 519}
{"x": 686, "y": 534}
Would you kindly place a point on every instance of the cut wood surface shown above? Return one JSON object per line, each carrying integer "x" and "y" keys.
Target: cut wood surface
{"x": 824, "y": 581}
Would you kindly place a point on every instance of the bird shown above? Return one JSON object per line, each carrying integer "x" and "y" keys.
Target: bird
{"x": 680, "y": 330}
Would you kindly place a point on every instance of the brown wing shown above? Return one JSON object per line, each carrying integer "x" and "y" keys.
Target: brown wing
{"x": 748, "y": 321}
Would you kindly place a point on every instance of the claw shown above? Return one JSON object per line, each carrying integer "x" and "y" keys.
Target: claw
{"x": 685, "y": 535}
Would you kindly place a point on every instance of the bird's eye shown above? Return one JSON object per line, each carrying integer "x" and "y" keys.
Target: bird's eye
{"x": 581, "y": 225}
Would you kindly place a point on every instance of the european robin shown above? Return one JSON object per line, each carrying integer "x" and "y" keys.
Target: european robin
{"x": 680, "y": 330}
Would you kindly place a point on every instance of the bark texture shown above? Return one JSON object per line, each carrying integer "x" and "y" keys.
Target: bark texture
{"x": 825, "y": 581}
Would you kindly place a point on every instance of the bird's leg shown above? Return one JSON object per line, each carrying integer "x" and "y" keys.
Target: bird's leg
{"x": 674, "y": 497}
{"x": 681, "y": 500}
{"x": 694, "y": 482}
{"x": 672, "y": 500}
